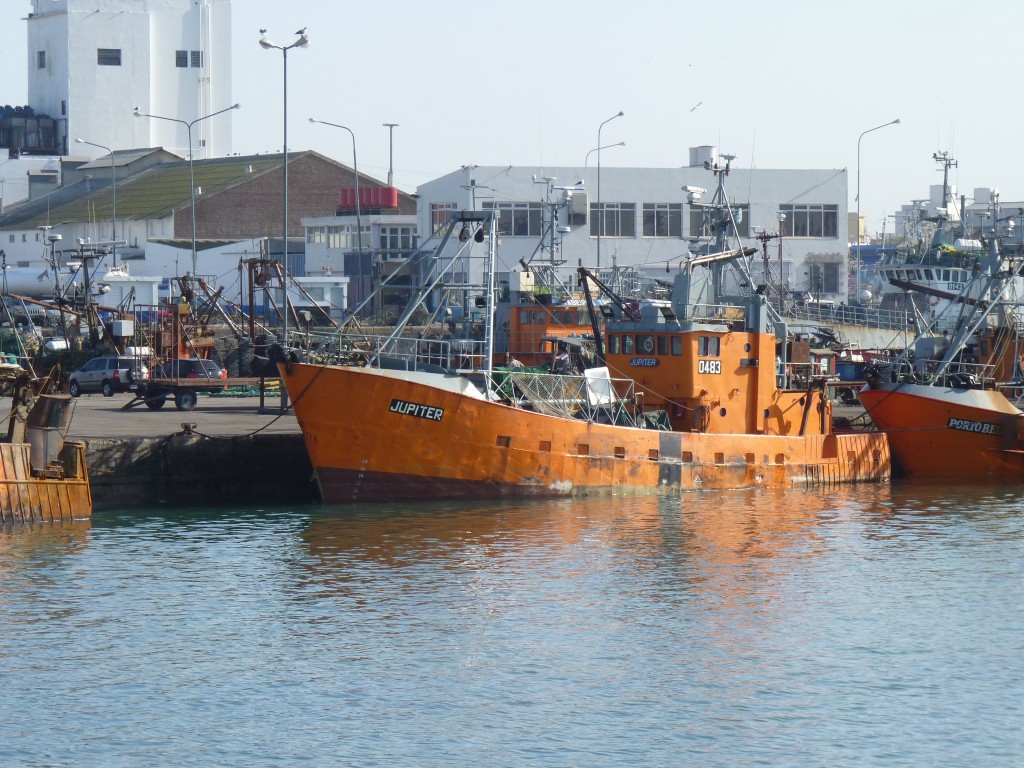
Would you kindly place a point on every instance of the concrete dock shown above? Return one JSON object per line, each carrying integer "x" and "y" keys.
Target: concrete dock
{"x": 228, "y": 450}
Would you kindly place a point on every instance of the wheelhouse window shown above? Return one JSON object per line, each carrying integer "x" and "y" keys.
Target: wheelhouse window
{"x": 619, "y": 220}
{"x": 810, "y": 220}
{"x": 518, "y": 219}
{"x": 709, "y": 346}
{"x": 663, "y": 219}
{"x": 108, "y": 57}
{"x": 645, "y": 344}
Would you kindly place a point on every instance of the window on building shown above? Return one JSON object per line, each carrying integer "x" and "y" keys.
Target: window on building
{"x": 316, "y": 235}
{"x": 704, "y": 220}
{"x": 619, "y": 220}
{"x": 181, "y": 58}
{"x": 518, "y": 219}
{"x": 810, "y": 220}
{"x": 823, "y": 278}
{"x": 663, "y": 219}
{"x": 197, "y": 59}
{"x": 63, "y": 107}
{"x": 108, "y": 57}
{"x": 40, "y": 59}
{"x": 343, "y": 237}
{"x": 397, "y": 240}
{"x": 440, "y": 215}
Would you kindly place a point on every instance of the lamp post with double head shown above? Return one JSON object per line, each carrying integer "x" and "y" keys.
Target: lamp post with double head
{"x": 586, "y": 160}
{"x": 600, "y": 212}
{"x": 869, "y": 130}
{"x": 113, "y": 198}
{"x": 191, "y": 164}
{"x": 301, "y": 42}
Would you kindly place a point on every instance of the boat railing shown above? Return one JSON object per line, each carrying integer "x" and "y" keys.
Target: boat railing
{"x": 959, "y": 373}
{"x": 414, "y": 353}
{"x": 868, "y": 317}
{"x": 715, "y": 313}
{"x": 591, "y": 396}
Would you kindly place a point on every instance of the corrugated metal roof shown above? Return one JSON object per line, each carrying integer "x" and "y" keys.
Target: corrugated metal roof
{"x": 151, "y": 194}
{"x": 122, "y": 157}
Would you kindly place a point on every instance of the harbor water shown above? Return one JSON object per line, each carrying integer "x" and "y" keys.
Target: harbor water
{"x": 864, "y": 626}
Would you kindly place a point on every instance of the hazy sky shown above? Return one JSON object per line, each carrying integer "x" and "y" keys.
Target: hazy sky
{"x": 787, "y": 84}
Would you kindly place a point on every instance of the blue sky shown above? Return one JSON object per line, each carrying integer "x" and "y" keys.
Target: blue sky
{"x": 789, "y": 84}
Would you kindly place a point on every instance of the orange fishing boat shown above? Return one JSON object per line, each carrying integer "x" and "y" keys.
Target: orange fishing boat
{"x": 689, "y": 396}
{"x": 944, "y": 405}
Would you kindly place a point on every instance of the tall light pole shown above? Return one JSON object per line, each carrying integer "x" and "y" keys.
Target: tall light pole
{"x": 391, "y": 152}
{"x": 600, "y": 211}
{"x": 869, "y": 130}
{"x": 359, "y": 223}
{"x": 191, "y": 165}
{"x": 113, "y": 198}
{"x": 301, "y": 42}
{"x": 606, "y": 146}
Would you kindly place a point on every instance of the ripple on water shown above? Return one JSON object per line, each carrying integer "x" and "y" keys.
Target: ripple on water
{"x": 861, "y": 626}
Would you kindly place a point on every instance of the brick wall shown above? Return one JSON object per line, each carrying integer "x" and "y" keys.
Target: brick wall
{"x": 254, "y": 207}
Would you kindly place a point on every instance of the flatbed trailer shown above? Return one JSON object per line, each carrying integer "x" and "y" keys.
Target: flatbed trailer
{"x": 155, "y": 393}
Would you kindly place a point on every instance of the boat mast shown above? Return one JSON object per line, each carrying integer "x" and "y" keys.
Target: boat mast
{"x": 492, "y": 251}
{"x": 946, "y": 162}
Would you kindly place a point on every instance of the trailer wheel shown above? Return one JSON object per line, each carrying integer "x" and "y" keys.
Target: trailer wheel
{"x": 156, "y": 404}
{"x": 185, "y": 400}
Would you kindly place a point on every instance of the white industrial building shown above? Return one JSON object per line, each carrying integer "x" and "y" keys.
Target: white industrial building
{"x": 91, "y": 62}
{"x": 651, "y": 221}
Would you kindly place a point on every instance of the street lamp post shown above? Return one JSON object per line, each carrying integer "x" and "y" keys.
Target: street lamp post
{"x": 869, "y": 130}
{"x": 355, "y": 169}
{"x": 113, "y": 198}
{"x": 391, "y": 152}
{"x": 191, "y": 165}
{"x": 600, "y": 212}
{"x": 606, "y": 146}
{"x": 301, "y": 42}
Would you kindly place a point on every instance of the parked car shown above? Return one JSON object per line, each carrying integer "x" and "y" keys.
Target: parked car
{"x": 108, "y": 374}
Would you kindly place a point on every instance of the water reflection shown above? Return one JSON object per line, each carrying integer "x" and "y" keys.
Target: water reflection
{"x": 46, "y": 550}
{"x": 711, "y": 628}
